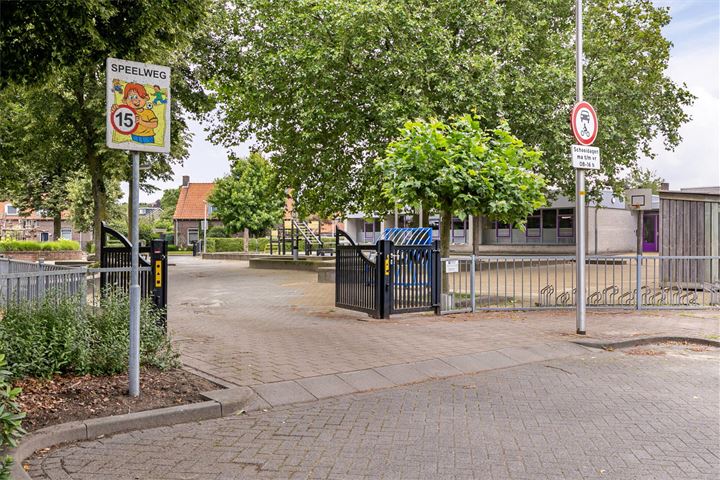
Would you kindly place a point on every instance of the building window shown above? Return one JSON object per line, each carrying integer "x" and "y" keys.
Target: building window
{"x": 549, "y": 219}
{"x": 503, "y": 229}
{"x": 44, "y": 236}
{"x": 66, "y": 233}
{"x": 566, "y": 222}
{"x": 533, "y": 226}
{"x": 10, "y": 210}
{"x": 210, "y": 209}
{"x": 370, "y": 229}
{"x": 457, "y": 232}
{"x": 192, "y": 234}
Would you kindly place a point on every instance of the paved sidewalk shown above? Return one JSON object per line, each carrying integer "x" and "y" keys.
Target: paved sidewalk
{"x": 602, "y": 415}
{"x": 248, "y": 327}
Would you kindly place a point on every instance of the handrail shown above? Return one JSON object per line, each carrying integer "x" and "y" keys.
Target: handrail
{"x": 308, "y": 230}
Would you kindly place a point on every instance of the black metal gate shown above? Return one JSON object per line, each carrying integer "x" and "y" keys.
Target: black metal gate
{"x": 118, "y": 254}
{"x": 384, "y": 278}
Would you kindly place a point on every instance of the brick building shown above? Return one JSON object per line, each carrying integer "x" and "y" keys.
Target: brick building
{"x": 192, "y": 207}
{"x": 15, "y": 225}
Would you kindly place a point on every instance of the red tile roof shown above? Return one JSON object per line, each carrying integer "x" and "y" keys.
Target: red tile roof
{"x": 190, "y": 204}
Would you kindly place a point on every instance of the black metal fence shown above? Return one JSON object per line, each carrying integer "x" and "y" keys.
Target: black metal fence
{"x": 115, "y": 258}
{"x": 384, "y": 278}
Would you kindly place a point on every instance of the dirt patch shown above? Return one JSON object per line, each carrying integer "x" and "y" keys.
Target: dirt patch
{"x": 644, "y": 351}
{"x": 67, "y": 398}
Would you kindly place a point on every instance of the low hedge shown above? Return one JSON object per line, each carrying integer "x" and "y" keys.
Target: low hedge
{"x": 31, "y": 245}
{"x": 215, "y": 245}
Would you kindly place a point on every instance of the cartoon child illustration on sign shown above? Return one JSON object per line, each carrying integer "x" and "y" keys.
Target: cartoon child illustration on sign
{"x": 158, "y": 95}
{"x": 136, "y": 97}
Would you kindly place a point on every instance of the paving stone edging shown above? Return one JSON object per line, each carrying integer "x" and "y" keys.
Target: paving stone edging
{"x": 230, "y": 401}
{"x": 636, "y": 342}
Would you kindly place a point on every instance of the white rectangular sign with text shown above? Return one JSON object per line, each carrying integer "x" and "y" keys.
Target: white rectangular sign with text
{"x": 587, "y": 158}
{"x": 452, "y": 266}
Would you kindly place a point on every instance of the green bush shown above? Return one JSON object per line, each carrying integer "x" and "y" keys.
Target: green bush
{"x": 31, "y": 245}
{"x": 235, "y": 244}
{"x": 10, "y": 418}
{"x": 60, "y": 336}
{"x": 216, "y": 232}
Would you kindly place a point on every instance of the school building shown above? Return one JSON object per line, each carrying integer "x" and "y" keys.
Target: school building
{"x": 611, "y": 229}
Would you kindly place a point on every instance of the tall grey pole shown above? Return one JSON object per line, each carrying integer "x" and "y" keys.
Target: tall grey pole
{"x": 134, "y": 363}
{"x": 579, "y": 184}
{"x": 204, "y": 244}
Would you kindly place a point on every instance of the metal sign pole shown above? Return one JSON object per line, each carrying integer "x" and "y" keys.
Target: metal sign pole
{"x": 579, "y": 185}
{"x": 134, "y": 363}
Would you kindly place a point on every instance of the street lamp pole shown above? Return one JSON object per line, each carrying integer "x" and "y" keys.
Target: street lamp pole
{"x": 205, "y": 227}
{"x": 579, "y": 184}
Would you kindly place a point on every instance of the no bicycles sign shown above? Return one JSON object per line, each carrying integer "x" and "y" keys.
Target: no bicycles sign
{"x": 138, "y": 106}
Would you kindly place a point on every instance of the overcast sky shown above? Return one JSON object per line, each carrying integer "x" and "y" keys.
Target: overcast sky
{"x": 695, "y": 33}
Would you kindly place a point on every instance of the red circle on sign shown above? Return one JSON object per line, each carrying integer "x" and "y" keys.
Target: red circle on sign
{"x": 582, "y": 106}
{"x": 124, "y": 128}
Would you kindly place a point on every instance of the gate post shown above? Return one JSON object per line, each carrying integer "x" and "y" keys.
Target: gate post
{"x": 638, "y": 279}
{"x": 436, "y": 276}
{"x": 158, "y": 263}
{"x": 384, "y": 278}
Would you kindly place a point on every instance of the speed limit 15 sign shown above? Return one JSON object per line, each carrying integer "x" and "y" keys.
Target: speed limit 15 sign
{"x": 138, "y": 106}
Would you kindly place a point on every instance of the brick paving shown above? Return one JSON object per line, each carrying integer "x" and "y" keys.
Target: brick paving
{"x": 247, "y": 327}
{"x": 600, "y": 415}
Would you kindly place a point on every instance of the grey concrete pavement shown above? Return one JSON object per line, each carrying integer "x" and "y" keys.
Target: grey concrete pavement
{"x": 642, "y": 413}
{"x": 247, "y": 327}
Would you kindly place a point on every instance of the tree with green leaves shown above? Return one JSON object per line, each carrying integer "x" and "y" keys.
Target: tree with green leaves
{"x": 644, "y": 178}
{"x": 81, "y": 208}
{"x": 458, "y": 167}
{"x": 324, "y": 84}
{"x": 249, "y": 198}
{"x": 68, "y": 44}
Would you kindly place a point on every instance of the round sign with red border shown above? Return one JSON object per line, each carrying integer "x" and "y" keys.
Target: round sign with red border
{"x": 124, "y": 119}
{"x": 584, "y": 123}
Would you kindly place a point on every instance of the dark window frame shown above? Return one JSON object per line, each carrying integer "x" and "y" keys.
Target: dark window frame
{"x": 572, "y": 217}
{"x": 499, "y": 229}
{"x": 539, "y": 228}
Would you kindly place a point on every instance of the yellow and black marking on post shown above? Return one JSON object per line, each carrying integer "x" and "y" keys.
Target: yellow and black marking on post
{"x": 158, "y": 273}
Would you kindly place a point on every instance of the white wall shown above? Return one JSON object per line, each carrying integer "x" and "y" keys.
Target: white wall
{"x": 615, "y": 228}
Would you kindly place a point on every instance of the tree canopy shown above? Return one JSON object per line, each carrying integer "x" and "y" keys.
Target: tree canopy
{"x": 249, "y": 197}
{"x": 325, "y": 84}
{"x": 459, "y": 167}
{"x": 68, "y": 43}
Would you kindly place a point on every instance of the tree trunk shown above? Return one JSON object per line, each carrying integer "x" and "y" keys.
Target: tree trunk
{"x": 99, "y": 199}
{"x": 57, "y": 226}
{"x": 445, "y": 225}
{"x": 425, "y": 220}
{"x": 477, "y": 233}
{"x": 246, "y": 240}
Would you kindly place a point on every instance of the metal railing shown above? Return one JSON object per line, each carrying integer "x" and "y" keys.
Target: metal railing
{"x": 458, "y": 281}
{"x": 548, "y": 282}
{"x": 62, "y": 283}
{"x": 8, "y": 265}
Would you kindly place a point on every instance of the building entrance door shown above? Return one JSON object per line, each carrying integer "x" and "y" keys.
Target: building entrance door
{"x": 650, "y": 232}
